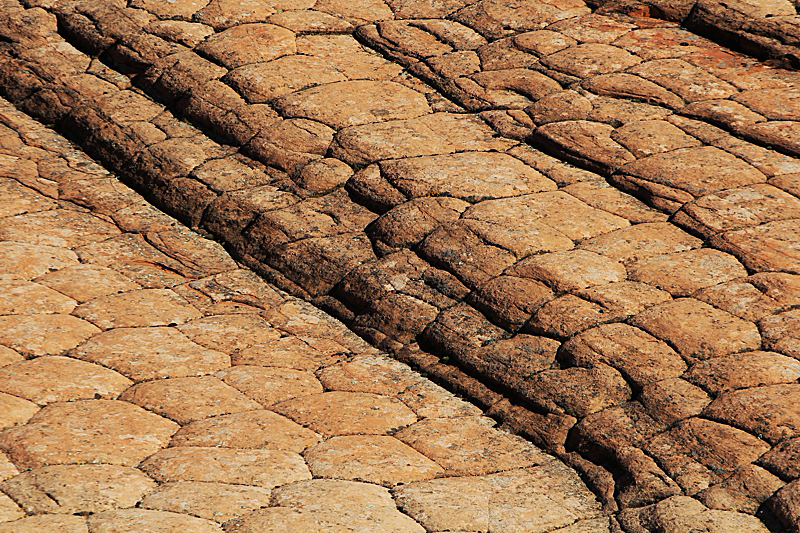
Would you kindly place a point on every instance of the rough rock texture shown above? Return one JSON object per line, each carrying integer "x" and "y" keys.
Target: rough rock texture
{"x": 587, "y": 223}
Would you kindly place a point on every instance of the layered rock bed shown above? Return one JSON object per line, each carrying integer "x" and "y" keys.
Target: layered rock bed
{"x": 586, "y": 222}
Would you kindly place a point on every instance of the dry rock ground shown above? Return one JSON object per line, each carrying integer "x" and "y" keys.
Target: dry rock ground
{"x": 585, "y": 217}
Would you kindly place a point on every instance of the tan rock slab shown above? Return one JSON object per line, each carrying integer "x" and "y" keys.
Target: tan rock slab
{"x": 697, "y": 330}
{"x": 687, "y": 81}
{"x": 438, "y": 133}
{"x": 696, "y": 171}
{"x": 30, "y": 260}
{"x": 151, "y": 353}
{"x": 739, "y": 208}
{"x": 697, "y": 453}
{"x": 557, "y": 210}
{"x": 18, "y": 199}
{"x": 648, "y": 137}
{"x": 36, "y": 335}
{"x": 248, "y": 430}
{"x": 356, "y": 12}
{"x": 356, "y": 506}
{"x": 602, "y": 195}
{"x": 85, "y": 282}
{"x": 9, "y": 510}
{"x": 7, "y": 468}
{"x": 625, "y": 297}
{"x": 46, "y": 524}
{"x": 221, "y": 14}
{"x": 351, "y": 103}
{"x": 342, "y": 413}
{"x": 59, "y": 227}
{"x": 640, "y": 357}
{"x": 740, "y": 299}
{"x": 105, "y": 431}
{"x": 262, "y": 82}
{"x": 146, "y": 307}
{"x": 429, "y": 400}
{"x": 571, "y": 270}
{"x": 470, "y": 445}
{"x": 378, "y": 459}
{"x": 228, "y": 333}
{"x": 73, "y": 489}
{"x": 536, "y": 499}
{"x": 781, "y": 334}
{"x": 783, "y": 459}
{"x": 281, "y": 520}
{"x": 374, "y": 374}
{"x": 671, "y": 400}
{"x": 288, "y": 352}
{"x": 258, "y": 468}
{"x": 591, "y": 59}
{"x": 188, "y": 399}
{"x": 775, "y": 104}
{"x": 768, "y": 247}
{"x": 641, "y": 241}
{"x": 55, "y": 378}
{"x": 180, "y": 9}
{"x": 249, "y": 43}
{"x": 213, "y": 501}
{"x": 186, "y": 33}
{"x": 683, "y": 273}
{"x": 134, "y": 520}
{"x": 348, "y": 56}
{"x": 740, "y": 371}
{"x": 586, "y": 140}
{"x": 25, "y": 298}
{"x": 15, "y": 411}
{"x": 681, "y": 513}
{"x": 769, "y": 411}
{"x": 269, "y": 386}
{"x": 9, "y": 356}
{"x": 471, "y": 176}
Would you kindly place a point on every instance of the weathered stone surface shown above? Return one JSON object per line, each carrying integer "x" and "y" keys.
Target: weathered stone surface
{"x": 86, "y": 282}
{"x": 147, "y": 307}
{"x": 247, "y": 430}
{"x": 38, "y": 524}
{"x": 187, "y": 399}
{"x": 681, "y": 513}
{"x": 768, "y": 411}
{"x": 641, "y": 241}
{"x": 26, "y": 298}
{"x": 132, "y": 520}
{"x": 683, "y": 273}
{"x": 745, "y": 491}
{"x": 343, "y": 413}
{"x": 472, "y": 176}
{"x": 31, "y": 260}
{"x": 641, "y": 358}
{"x": 591, "y": 59}
{"x": 741, "y": 371}
{"x": 439, "y": 133}
{"x": 780, "y": 332}
{"x": 740, "y": 299}
{"x": 686, "y": 325}
{"x": 569, "y": 271}
{"x": 150, "y": 353}
{"x": 373, "y": 374}
{"x": 106, "y": 431}
{"x": 768, "y": 247}
{"x": 376, "y": 459}
{"x": 269, "y": 386}
{"x": 352, "y": 103}
{"x": 534, "y": 499}
{"x": 16, "y": 411}
{"x": 782, "y": 459}
{"x": 249, "y": 43}
{"x": 37, "y": 335}
{"x": 697, "y": 452}
{"x": 477, "y": 447}
{"x": 59, "y": 227}
{"x": 259, "y": 468}
{"x": 671, "y": 400}
{"x": 60, "y": 379}
{"x": 213, "y": 501}
{"x": 73, "y": 489}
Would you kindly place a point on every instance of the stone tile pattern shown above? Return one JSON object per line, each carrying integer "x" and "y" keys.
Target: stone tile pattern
{"x": 208, "y": 400}
{"x": 601, "y": 217}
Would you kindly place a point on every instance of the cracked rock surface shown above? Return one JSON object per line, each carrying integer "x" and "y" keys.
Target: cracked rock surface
{"x": 583, "y": 217}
